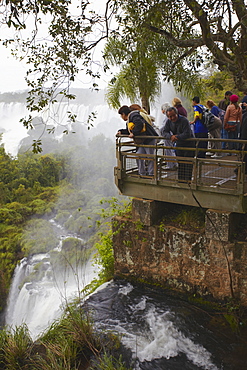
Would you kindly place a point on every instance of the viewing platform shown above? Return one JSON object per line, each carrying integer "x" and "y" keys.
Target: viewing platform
{"x": 216, "y": 183}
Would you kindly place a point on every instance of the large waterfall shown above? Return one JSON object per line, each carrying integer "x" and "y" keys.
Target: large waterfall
{"x": 107, "y": 120}
{"x": 41, "y": 290}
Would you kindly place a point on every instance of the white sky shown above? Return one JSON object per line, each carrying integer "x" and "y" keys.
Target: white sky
{"x": 12, "y": 71}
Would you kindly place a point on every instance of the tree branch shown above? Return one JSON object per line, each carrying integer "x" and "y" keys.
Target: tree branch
{"x": 184, "y": 55}
{"x": 178, "y": 42}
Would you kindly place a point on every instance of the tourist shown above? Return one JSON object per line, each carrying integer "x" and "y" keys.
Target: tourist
{"x": 176, "y": 102}
{"x": 177, "y": 130}
{"x": 223, "y": 104}
{"x": 244, "y": 100}
{"x": 232, "y": 121}
{"x": 243, "y": 134}
{"x": 200, "y": 129}
{"x": 136, "y": 126}
{"x": 171, "y": 165}
{"x": 215, "y": 133}
{"x": 142, "y": 111}
{"x": 146, "y": 116}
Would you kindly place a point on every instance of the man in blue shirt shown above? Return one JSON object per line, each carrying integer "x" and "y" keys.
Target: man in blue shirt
{"x": 200, "y": 129}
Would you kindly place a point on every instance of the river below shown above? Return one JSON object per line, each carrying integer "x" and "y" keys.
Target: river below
{"x": 163, "y": 332}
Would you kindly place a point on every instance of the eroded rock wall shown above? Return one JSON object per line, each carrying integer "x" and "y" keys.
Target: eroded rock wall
{"x": 184, "y": 261}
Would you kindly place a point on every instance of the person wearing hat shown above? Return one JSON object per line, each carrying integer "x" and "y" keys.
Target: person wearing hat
{"x": 232, "y": 120}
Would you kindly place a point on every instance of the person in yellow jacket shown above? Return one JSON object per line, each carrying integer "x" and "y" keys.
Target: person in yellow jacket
{"x": 136, "y": 126}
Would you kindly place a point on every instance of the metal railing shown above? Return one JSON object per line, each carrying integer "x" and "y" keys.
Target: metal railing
{"x": 223, "y": 174}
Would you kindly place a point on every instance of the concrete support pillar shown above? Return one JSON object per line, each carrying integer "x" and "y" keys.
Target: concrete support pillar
{"x": 220, "y": 225}
{"x": 147, "y": 211}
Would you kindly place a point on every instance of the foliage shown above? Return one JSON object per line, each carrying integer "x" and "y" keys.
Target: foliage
{"x": 16, "y": 346}
{"x": 191, "y": 37}
{"x": 38, "y": 237}
{"x": 107, "y": 362}
{"x": 104, "y": 257}
{"x": 188, "y": 217}
{"x": 69, "y": 343}
{"x": 139, "y": 76}
{"x": 216, "y": 85}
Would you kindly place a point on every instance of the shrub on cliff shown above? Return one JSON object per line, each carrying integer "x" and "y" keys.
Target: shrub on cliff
{"x": 70, "y": 343}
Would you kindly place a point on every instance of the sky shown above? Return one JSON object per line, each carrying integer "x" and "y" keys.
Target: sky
{"x": 12, "y": 74}
{"x": 12, "y": 71}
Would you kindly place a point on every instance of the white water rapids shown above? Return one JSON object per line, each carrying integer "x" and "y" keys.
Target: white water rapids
{"x": 149, "y": 327}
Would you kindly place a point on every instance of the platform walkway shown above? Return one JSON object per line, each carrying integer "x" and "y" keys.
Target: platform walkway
{"x": 218, "y": 183}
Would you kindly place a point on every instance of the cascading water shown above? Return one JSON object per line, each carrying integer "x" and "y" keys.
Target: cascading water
{"x": 40, "y": 289}
{"x": 160, "y": 331}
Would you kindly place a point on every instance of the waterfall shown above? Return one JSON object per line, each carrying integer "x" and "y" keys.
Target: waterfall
{"x": 40, "y": 289}
{"x": 107, "y": 121}
{"x": 13, "y": 131}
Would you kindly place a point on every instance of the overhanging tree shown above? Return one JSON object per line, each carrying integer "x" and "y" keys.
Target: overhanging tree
{"x": 139, "y": 76}
{"x": 56, "y": 39}
{"x": 189, "y": 34}
{"x": 195, "y": 32}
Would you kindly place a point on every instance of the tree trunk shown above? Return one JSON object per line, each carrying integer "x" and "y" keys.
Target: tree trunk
{"x": 145, "y": 103}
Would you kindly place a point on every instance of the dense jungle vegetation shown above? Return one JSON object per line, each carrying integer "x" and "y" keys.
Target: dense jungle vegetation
{"x": 36, "y": 187}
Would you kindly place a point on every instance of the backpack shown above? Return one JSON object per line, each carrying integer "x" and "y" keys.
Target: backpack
{"x": 209, "y": 119}
{"x": 148, "y": 129}
{"x": 221, "y": 114}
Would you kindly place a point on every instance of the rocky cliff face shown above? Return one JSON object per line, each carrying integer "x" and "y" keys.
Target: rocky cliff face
{"x": 181, "y": 260}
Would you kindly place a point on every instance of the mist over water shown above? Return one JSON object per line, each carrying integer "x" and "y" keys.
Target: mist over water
{"x": 107, "y": 121}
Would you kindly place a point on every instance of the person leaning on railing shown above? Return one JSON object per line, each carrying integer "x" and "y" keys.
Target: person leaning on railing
{"x": 171, "y": 164}
{"x": 177, "y": 129}
{"x": 137, "y": 126}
